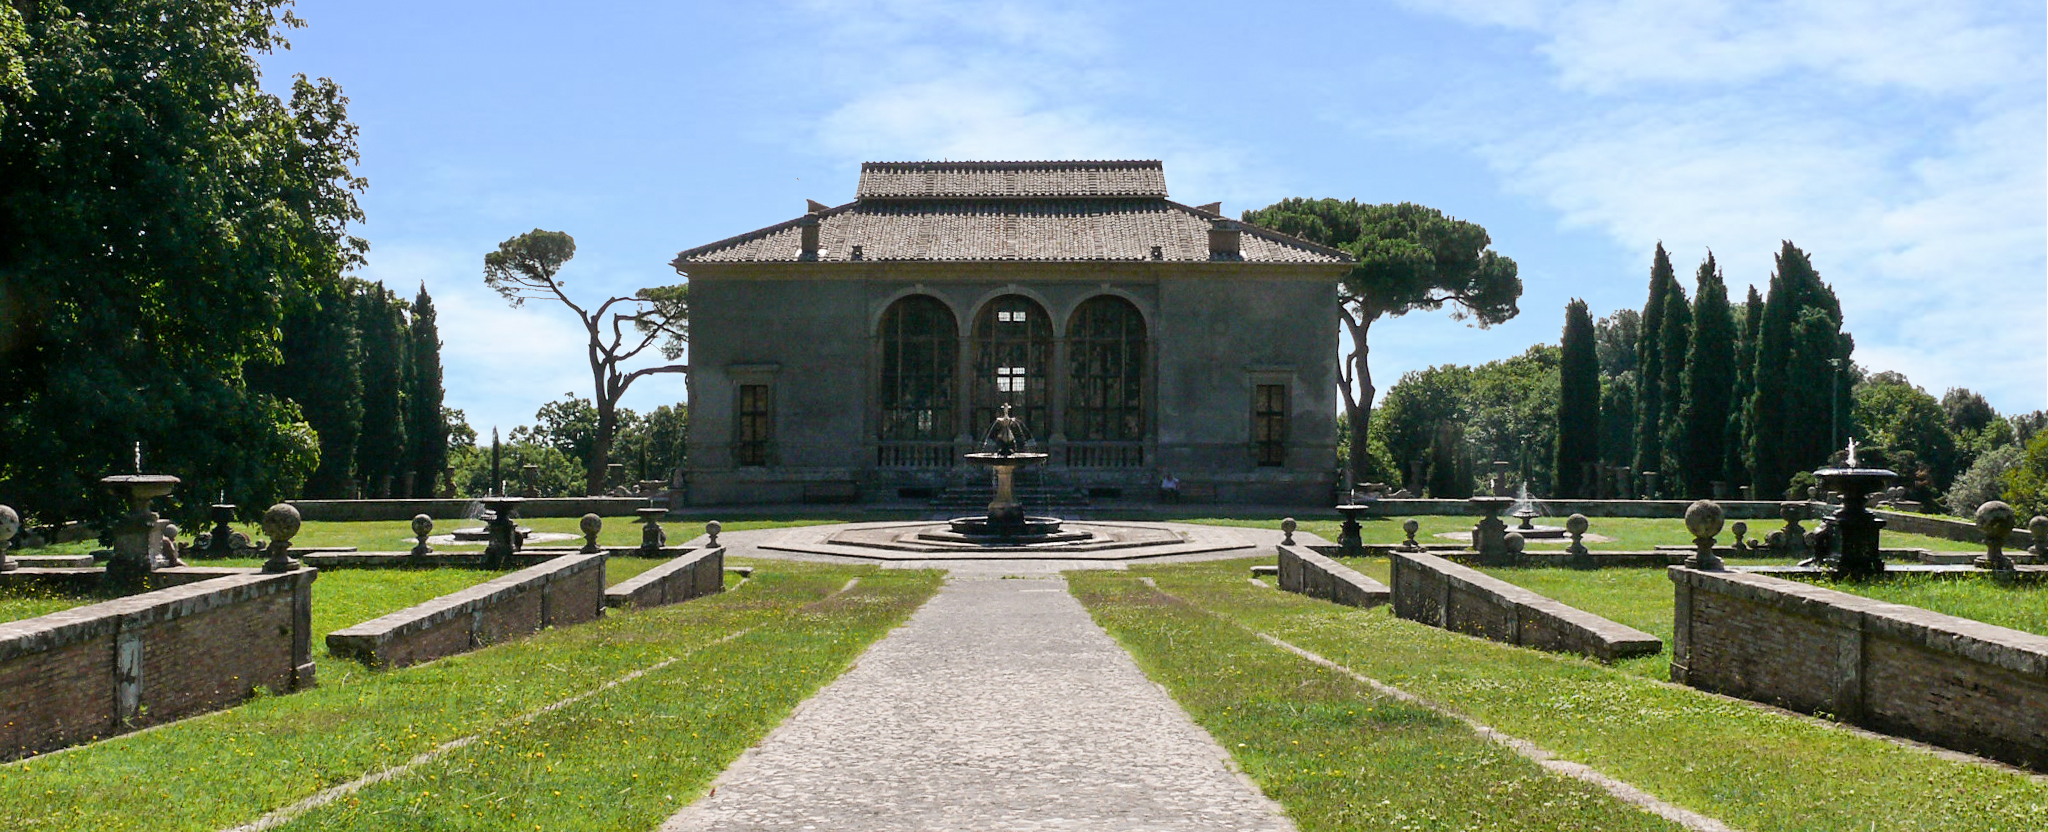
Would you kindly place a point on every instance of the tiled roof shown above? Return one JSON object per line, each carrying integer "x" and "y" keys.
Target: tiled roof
{"x": 1010, "y": 180}
{"x": 1009, "y": 229}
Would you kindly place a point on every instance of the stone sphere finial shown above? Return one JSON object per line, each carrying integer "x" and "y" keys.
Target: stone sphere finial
{"x": 1996, "y": 519}
{"x": 422, "y": 525}
{"x": 1577, "y": 524}
{"x": 281, "y": 523}
{"x": 2038, "y": 527}
{"x": 1515, "y": 543}
{"x": 10, "y": 523}
{"x": 711, "y": 530}
{"x": 591, "y": 524}
{"x": 1704, "y": 518}
{"x": 1287, "y": 527}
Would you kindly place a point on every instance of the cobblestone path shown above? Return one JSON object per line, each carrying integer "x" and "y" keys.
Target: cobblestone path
{"x": 999, "y": 706}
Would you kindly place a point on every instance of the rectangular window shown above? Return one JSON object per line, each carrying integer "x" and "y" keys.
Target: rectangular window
{"x": 756, "y": 426}
{"x": 1009, "y": 379}
{"x": 1269, "y": 424}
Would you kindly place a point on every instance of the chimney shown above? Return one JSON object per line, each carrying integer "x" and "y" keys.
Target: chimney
{"x": 1224, "y": 237}
{"x": 809, "y": 228}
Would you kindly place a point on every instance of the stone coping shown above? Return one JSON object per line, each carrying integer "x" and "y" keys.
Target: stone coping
{"x": 460, "y": 602}
{"x": 460, "y": 508}
{"x": 2015, "y": 650}
{"x": 1560, "y": 509}
{"x": 1611, "y": 639}
{"x": 1188, "y": 539}
{"x": 622, "y": 593}
{"x": 210, "y": 591}
{"x": 1303, "y": 570}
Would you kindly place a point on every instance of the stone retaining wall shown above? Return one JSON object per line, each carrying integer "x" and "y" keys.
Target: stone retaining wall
{"x": 457, "y": 509}
{"x": 1308, "y": 572}
{"x": 694, "y": 575}
{"x": 1902, "y": 670}
{"x": 1950, "y": 528}
{"x": 94, "y": 671}
{"x": 566, "y": 590}
{"x": 1556, "y": 510}
{"x": 1440, "y": 593}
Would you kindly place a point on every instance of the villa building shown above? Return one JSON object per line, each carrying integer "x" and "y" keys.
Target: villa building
{"x": 858, "y": 351}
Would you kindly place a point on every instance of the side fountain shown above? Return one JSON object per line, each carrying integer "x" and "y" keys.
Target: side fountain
{"x": 1849, "y": 539}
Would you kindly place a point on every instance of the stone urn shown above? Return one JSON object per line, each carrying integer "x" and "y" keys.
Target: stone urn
{"x": 1703, "y": 519}
{"x": 422, "y": 526}
{"x": 280, "y": 524}
{"x": 1996, "y": 520}
{"x": 652, "y": 537}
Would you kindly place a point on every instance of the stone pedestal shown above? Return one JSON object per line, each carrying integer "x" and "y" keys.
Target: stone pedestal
{"x": 1351, "y": 539}
{"x": 1857, "y": 529}
{"x": 138, "y": 537}
{"x": 1489, "y": 535}
{"x": 503, "y": 530}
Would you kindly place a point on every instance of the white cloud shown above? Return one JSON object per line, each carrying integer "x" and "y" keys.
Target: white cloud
{"x": 1901, "y": 144}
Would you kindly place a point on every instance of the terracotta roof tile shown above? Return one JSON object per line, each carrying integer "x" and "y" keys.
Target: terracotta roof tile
{"x": 1010, "y": 180}
{"x": 1009, "y": 229}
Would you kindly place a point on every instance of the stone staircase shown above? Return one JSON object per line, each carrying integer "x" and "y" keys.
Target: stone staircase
{"x": 1042, "y": 492}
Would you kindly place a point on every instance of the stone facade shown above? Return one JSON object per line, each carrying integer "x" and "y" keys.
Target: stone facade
{"x": 811, "y": 377}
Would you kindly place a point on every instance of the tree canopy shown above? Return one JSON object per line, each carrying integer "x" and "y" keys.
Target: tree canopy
{"x": 1410, "y": 257}
{"x": 147, "y": 184}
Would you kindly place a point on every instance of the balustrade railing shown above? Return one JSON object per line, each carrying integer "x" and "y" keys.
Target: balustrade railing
{"x": 1105, "y": 455}
{"x": 916, "y": 455}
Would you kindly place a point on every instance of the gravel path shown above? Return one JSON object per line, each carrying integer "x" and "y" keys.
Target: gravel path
{"x": 999, "y": 706}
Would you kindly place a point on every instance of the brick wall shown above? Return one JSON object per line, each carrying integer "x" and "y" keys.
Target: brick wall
{"x": 1305, "y": 571}
{"x": 566, "y": 590}
{"x": 1903, "y": 670}
{"x": 692, "y": 575}
{"x": 1440, "y": 593}
{"x": 103, "y": 669}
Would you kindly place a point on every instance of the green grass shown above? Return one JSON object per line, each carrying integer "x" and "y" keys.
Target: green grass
{"x": 623, "y": 759}
{"x": 1753, "y": 768}
{"x": 1329, "y": 749}
{"x": 21, "y": 603}
{"x": 2019, "y": 606}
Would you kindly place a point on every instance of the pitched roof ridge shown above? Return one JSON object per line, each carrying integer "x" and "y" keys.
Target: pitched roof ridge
{"x": 756, "y": 234}
{"x": 1014, "y": 164}
{"x": 1270, "y": 234}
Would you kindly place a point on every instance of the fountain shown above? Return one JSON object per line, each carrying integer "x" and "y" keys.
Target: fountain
{"x": 1527, "y": 511}
{"x": 1006, "y": 524}
{"x": 139, "y": 545}
{"x": 1853, "y": 530}
{"x": 1351, "y": 538}
{"x": 504, "y": 532}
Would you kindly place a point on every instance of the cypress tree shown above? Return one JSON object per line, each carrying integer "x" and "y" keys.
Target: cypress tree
{"x": 1737, "y": 432}
{"x": 1800, "y": 336}
{"x": 1578, "y": 403}
{"x": 1649, "y": 404}
{"x": 321, "y": 371}
{"x": 426, "y": 430}
{"x": 1674, "y": 342}
{"x": 381, "y": 446}
{"x": 1709, "y": 385}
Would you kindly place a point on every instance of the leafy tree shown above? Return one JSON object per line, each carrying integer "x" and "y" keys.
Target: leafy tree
{"x": 381, "y": 450}
{"x": 1410, "y": 258}
{"x": 2025, "y": 425}
{"x": 1967, "y": 411}
{"x": 426, "y": 425}
{"x": 1708, "y": 386}
{"x": 1984, "y": 481}
{"x": 1893, "y": 415}
{"x": 1417, "y": 406}
{"x": 1649, "y": 448}
{"x": 559, "y": 476}
{"x": 1615, "y": 338}
{"x": 148, "y": 184}
{"x": 528, "y": 266}
{"x": 1736, "y": 435}
{"x": 1504, "y": 410}
{"x": 2026, "y": 485}
{"x": 1578, "y": 403}
{"x": 654, "y": 448}
{"x": 1800, "y": 346}
{"x": 569, "y": 426}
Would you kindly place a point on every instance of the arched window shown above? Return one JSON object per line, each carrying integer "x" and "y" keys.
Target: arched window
{"x": 1106, "y": 373}
{"x": 920, "y": 349}
{"x": 1012, "y": 357}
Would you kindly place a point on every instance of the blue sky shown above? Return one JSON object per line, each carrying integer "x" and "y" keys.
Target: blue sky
{"x": 1901, "y": 144}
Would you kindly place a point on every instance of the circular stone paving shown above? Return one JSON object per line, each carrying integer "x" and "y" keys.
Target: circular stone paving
{"x": 933, "y": 540}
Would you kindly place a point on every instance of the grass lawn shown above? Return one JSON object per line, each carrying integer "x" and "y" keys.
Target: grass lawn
{"x": 625, "y": 758}
{"x": 22, "y": 603}
{"x": 1749, "y": 767}
{"x": 2016, "y": 606}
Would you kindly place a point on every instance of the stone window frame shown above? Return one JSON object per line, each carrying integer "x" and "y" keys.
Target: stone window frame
{"x": 1270, "y": 416}
{"x": 758, "y": 448}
